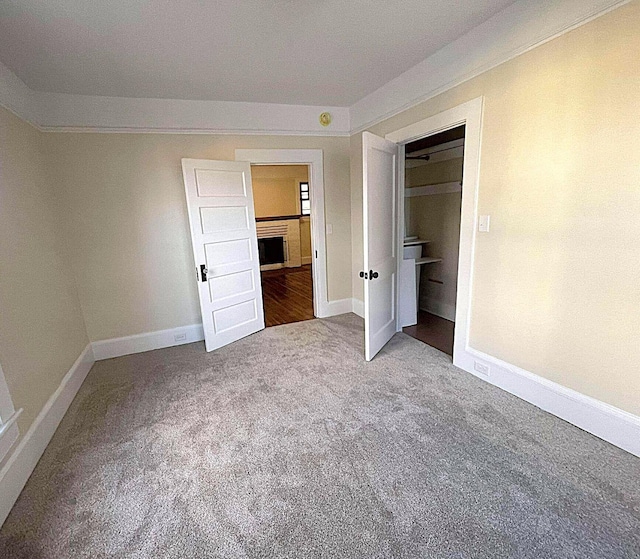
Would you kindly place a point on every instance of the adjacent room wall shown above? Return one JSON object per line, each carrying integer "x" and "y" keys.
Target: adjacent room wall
{"x": 555, "y": 287}
{"x": 127, "y": 221}
{"x": 276, "y": 189}
{"x": 42, "y": 330}
{"x": 276, "y": 192}
{"x": 305, "y": 242}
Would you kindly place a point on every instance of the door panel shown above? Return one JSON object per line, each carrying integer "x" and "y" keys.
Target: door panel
{"x": 223, "y": 233}
{"x": 380, "y": 171}
{"x": 218, "y": 183}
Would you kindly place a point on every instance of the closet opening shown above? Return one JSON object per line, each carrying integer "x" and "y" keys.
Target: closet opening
{"x": 433, "y": 171}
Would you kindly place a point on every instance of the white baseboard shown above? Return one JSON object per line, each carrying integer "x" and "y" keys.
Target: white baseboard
{"x": 334, "y": 308}
{"x": 278, "y": 266}
{"x": 22, "y": 462}
{"x": 612, "y": 424}
{"x": 357, "y": 307}
{"x": 116, "y": 347}
{"x": 443, "y": 310}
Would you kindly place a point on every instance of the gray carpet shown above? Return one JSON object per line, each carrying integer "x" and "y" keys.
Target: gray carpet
{"x": 287, "y": 444}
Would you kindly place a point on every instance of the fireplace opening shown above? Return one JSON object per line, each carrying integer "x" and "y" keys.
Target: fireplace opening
{"x": 271, "y": 250}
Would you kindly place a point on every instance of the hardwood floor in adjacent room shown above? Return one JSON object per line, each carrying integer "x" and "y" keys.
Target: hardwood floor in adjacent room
{"x": 288, "y": 295}
{"x": 433, "y": 330}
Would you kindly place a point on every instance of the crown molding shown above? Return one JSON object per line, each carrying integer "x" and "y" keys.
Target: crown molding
{"x": 517, "y": 29}
{"x": 62, "y": 112}
{"x": 84, "y": 113}
{"x": 16, "y": 97}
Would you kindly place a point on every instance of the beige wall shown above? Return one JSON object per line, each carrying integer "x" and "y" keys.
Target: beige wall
{"x": 276, "y": 189}
{"x": 305, "y": 240}
{"x": 128, "y": 221}
{"x": 556, "y": 281}
{"x": 434, "y": 173}
{"x": 42, "y": 331}
{"x": 436, "y": 217}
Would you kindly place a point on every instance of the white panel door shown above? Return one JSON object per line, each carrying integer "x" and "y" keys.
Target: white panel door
{"x": 225, "y": 248}
{"x": 380, "y": 172}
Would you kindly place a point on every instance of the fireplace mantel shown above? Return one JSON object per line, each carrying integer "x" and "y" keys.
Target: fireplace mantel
{"x": 279, "y": 218}
{"x": 289, "y": 229}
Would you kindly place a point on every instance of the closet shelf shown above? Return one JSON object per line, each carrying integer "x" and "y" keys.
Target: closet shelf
{"x": 415, "y": 242}
{"x": 427, "y": 260}
{"x": 429, "y": 189}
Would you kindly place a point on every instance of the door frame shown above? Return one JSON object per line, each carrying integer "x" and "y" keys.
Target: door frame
{"x": 313, "y": 158}
{"x": 469, "y": 114}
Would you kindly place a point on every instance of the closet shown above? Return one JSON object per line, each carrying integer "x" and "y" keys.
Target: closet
{"x": 429, "y": 269}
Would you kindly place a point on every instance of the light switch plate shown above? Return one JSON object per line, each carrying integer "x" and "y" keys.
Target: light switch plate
{"x": 483, "y": 223}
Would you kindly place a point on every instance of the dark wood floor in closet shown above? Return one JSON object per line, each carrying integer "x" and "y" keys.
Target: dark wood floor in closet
{"x": 433, "y": 330}
{"x": 288, "y": 295}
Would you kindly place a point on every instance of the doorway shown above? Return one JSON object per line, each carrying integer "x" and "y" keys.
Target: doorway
{"x": 386, "y": 273}
{"x": 312, "y": 272}
{"x": 433, "y": 173}
{"x": 224, "y": 239}
{"x": 282, "y": 203}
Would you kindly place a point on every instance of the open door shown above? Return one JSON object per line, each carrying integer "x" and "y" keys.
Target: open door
{"x": 380, "y": 182}
{"x": 225, "y": 248}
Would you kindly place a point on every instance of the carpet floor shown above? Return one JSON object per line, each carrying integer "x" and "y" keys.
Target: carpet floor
{"x": 288, "y": 444}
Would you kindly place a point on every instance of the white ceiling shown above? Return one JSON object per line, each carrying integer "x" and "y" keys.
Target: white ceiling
{"x": 307, "y": 52}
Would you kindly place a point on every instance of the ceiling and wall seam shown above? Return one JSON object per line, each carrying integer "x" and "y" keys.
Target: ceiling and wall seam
{"x": 580, "y": 14}
{"x": 482, "y": 49}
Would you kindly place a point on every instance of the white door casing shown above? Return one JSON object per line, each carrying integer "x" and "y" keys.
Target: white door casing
{"x": 469, "y": 114}
{"x": 380, "y": 221}
{"x": 225, "y": 248}
{"x": 314, "y": 159}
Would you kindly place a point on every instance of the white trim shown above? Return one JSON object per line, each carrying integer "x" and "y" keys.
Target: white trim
{"x": 334, "y": 308}
{"x": 605, "y": 421}
{"x": 16, "y": 97}
{"x": 431, "y": 189}
{"x": 469, "y": 114}
{"x": 612, "y": 424}
{"x": 86, "y": 113}
{"x": 147, "y": 341}
{"x": 357, "y": 307}
{"x": 191, "y": 131}
{"x": 278, "y": 266}
{"x": 9, "y": 434}
{"x": 515, "y": 30}
{"x": 22, "y": 462}
{"x": 313, "y": 158}
{"x": 6, "y": 403}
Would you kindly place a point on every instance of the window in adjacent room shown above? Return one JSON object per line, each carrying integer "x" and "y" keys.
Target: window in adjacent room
{"x": 305, "y": 202}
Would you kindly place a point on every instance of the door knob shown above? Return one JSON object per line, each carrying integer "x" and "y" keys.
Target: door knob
{"x": 372, "y": 274}
{"x": 203, "y": 272}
